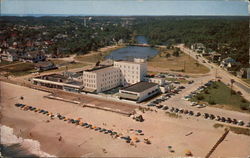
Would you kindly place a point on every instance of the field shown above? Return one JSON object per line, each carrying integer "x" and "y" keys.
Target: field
{"x": 99, "y": 55}
{"x": 220, "y": 95}
{"x": 183, "y": 63}
{"x": 18, "y": 69}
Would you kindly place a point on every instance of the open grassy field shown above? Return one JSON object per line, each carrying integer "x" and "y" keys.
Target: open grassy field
{"x": 183, "y": 63}
{"x": 94, "y": 57}
{"x": 18, "y": 69}
{"x": 220, "y": 95}
{"x": 69, "y": 66}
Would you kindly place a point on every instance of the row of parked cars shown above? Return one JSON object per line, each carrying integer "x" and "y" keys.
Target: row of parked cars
{"x": 198, "y": 90}
{"x": 166, "y": 96}
{"x": 204, "y": 115}
{"x": 74, "y": 121}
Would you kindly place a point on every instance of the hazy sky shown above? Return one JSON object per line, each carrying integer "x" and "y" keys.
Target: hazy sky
{"x": 125, "y": 7}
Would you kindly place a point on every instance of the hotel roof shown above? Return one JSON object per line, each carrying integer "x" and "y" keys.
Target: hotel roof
{"x": 139, "y": 87}
{"x": 101, "y": 68}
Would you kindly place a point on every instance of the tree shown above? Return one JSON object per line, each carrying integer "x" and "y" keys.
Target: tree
{"x": 176, "y": 53}
{"x": 232, "y": 82}
{"x": 167, "y": 55}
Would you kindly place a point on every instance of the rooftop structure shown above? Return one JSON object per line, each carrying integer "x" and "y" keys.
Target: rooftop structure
{"x": 139, "y": 92}
{"x": 139, "y": 87}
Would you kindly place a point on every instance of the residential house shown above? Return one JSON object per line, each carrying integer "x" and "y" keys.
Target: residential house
{"x": 9, "y": 55}
{"x": 45, "y": 65}
{"x": 215, "y": 57}
{"x": 244, "y": 73}
{"x": 33, "y": 56}
{"x": 198, "y": 47}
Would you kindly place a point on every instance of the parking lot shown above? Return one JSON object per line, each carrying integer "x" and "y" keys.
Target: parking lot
{"x": 177, "y": 102}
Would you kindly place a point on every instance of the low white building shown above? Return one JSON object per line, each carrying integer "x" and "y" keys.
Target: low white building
{"x": 139, "y": 92}
{"x": 160, "y": 81}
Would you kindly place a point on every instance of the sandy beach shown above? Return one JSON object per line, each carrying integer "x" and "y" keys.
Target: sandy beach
{"x": 162, "y": 130}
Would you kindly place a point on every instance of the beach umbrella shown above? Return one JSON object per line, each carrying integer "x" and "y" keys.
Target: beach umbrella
{"x": 188, "y": 153}
{"x": 135, "y": 139}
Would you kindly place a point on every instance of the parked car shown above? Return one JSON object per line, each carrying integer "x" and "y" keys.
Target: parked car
{"x": 218, "y": 118}
{"x": 190, "y": 82}
{"x": 198, "y": 114}
{"x": 228, "y": 120}
{"x": 211, "y": 117}
{"x": 181, "y": 111}
{"x": 240, "y": 123}
{"x": 191, "y": 113}
{"x": 172, "y": 109}
{"x": 159, "y": 106}
{"x": 234, "y": 121}
{"x": 176, "y": 110}
{"x": 223, "y": 119}
{"x": 185, "y": 111}
{"x": 165, "y": 108}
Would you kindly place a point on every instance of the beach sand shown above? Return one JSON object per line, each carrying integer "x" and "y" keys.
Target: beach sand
{"x": 162, "y": 130}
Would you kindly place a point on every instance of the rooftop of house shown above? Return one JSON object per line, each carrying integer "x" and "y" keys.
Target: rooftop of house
{"x": 54, "y": 77}
{"x": 139, "y": 87}
{"x": 229, "y": 60}
{"x": 44, "y": 64}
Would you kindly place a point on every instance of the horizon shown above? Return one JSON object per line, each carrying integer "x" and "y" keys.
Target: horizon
{"x": 123, "y": 8}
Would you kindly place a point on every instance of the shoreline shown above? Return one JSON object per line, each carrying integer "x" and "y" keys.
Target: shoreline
{"x": 22, "y": 145}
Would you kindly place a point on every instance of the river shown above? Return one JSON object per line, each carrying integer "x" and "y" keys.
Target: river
{"x": 131, "y": 52}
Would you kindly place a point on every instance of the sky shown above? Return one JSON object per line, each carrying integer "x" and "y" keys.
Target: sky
{"x": 125, "y": 7}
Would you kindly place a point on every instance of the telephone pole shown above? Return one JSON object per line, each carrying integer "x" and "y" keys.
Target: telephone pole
{"x": 184, "y": 66}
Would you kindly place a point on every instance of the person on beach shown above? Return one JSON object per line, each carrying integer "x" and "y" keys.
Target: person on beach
{"x": 60, "y": 138}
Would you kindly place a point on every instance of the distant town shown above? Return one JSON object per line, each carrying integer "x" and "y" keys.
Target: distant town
{"x": 123, "y": 86}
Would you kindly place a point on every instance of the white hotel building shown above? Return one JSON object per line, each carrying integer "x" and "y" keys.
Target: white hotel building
{"x": 132, "y": 72}
{"x": 123, "y": 73}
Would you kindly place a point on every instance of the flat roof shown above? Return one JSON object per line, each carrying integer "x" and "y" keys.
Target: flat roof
{"x": 53, "y": 77}
{"x": 130, "y": 62}
{"x": 102, "y": 68}
{"x": 139, "y": 87}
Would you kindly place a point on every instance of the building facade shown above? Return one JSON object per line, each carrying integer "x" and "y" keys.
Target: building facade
{"x": 139, "y": 92}
{"x": 131, "y": 72}
{"x": 121, "y": 73}
{"x": 101, "y": 79}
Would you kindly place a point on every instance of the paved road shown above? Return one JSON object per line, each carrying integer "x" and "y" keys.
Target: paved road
{"x": 217, "y": 71}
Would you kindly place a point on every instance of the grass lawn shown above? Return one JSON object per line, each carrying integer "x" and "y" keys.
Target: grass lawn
{"x": 70, "y": 66}
{"x": 19, "y": 69}
{"x": 220, "y": 95}
{"x": 173, "y": 63}
{"x": 94, "y": 57}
